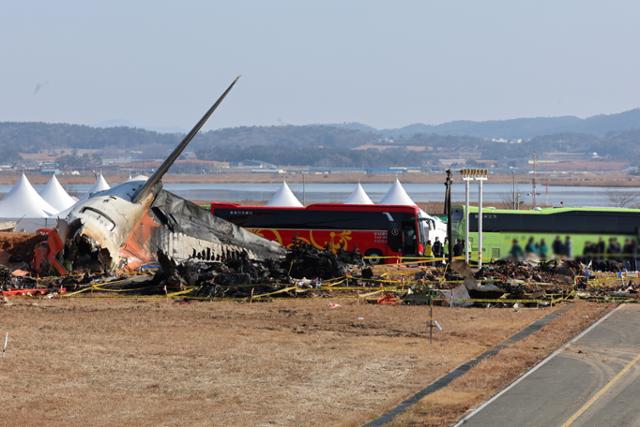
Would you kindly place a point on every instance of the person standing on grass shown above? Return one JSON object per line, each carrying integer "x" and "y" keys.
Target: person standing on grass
{"x": 557, "y": 246}
{"x": 428, "y": 249}
{"x": 438, "y": 249}
{"x": 568, "y": 247}
{"x": 516, "y": 251}
{"x": 543, "y": 250}
{"x": 530, "y": 247}
{"x": 458, "y": 248}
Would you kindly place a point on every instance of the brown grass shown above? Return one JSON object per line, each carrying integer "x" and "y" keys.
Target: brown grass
{"x": 287, "y": 362}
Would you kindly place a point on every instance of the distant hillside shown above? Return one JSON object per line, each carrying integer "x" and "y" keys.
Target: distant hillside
{"x": 614, "y": 136}
{"x": 523, "y": 127}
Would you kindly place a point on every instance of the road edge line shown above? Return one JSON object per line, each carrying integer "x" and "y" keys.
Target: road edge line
{"x": 466, "y": 417}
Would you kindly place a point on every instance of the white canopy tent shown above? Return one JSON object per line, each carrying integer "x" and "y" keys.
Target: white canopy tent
{"x": 54, "y": 194}
{"x": 23, "y": 201}
{"x": 397, "y": 195}
{"x": 358, "y": 197}
{"x": 284, "y": 197}
{"x": 100, "y": 185}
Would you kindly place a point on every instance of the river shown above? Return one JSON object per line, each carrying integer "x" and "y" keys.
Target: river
{"x": 336, "y": 192}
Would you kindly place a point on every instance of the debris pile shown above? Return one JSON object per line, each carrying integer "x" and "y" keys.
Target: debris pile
{"x": 551, "y": 272}
{"x": 305, "y": 261}
{"x": 10, "y": 281}
{"x": 238, "y": 277}
{"x": 308, "y": 271}
{"x": 244, "y": 277}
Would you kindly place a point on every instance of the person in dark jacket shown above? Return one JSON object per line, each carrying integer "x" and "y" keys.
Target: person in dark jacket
{"x": 557, "y": 246}
{"x": 438, "y": 249}
{"x": 458, "y": 248}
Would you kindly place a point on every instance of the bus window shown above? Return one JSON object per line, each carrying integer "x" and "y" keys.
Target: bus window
{"x": 457, "y": 214}
{"x": 423, "y": 228}
{"x": 427, "y": 225}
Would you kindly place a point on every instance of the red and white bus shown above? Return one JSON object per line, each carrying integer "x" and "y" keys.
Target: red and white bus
{"x": 375, "y": 231}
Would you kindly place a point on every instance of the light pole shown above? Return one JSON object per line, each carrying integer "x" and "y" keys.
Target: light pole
{"x": 466, "y": 179}
{"x": 480, "y": 180}
{"x": 468, "y": 175}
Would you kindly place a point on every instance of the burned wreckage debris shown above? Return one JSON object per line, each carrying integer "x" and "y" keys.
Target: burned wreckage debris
{"x": 137, "y": 224}
{"x": 123, "y": 228}
{"x": 241, "y": 276}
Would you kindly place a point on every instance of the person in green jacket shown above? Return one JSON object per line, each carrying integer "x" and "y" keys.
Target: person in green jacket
{"x": 516, "y": 251}
{"x": 543, "y": 250}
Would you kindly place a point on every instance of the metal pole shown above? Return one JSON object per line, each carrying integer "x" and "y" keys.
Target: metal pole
{"x": 449, "y": 217}
{"x": 480, "y": 223}
{"x": 467, "y": 250}
{"x": 513, "y": 190}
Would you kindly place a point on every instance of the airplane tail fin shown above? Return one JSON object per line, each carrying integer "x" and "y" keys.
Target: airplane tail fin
{"x": 164, "y": 167}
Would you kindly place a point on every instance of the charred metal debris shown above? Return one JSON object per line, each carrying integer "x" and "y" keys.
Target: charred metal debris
{"x": 307, "y": 271}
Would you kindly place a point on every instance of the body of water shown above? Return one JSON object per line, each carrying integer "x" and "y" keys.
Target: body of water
{"x": 337, "y": 192}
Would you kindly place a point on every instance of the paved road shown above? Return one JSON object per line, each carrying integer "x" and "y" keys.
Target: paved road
{"x": 595, "y": 381}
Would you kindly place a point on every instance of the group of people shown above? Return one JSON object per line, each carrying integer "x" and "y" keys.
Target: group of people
{"x": 593, "y": 251}
{"x": 541, "y": 249}
{"x": 439, "y": 249}
{"x": 435, "y": 250}
{"x": 613, "y": 251}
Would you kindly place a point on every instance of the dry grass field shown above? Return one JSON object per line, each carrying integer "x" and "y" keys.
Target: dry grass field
{"x": 82, "y": 361}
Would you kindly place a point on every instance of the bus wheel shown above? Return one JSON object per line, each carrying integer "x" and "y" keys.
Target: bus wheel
{"x": 375, "y": 257}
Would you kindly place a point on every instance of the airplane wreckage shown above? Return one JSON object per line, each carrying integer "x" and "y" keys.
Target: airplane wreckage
{"x": 129, "y": 225}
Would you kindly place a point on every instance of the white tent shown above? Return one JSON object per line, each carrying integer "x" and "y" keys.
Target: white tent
{"x": 284, "y": 197}
{"x": 100, "y": 185}
{"x": 56, "y": 196}
{"x": 397, "y": 196}
{"x": 23, "y": 201}
{"x": 358, "y": 197}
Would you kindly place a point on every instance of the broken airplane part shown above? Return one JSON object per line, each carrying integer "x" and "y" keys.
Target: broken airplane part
{"x": 126, "y": 226}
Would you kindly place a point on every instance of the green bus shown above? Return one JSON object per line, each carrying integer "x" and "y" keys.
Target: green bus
{"x": 584, "y": 225}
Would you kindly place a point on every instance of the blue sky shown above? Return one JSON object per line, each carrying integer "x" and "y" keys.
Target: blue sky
{"x": 387, "y": 64}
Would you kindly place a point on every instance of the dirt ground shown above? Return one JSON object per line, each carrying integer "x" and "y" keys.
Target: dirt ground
{"x": 80, "y": 361}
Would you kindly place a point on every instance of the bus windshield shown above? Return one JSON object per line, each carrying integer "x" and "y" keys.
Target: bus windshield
{"x": 424, "y": 225}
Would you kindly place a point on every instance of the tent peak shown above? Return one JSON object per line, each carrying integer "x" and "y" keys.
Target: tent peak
{"x": 284, "y": 197}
